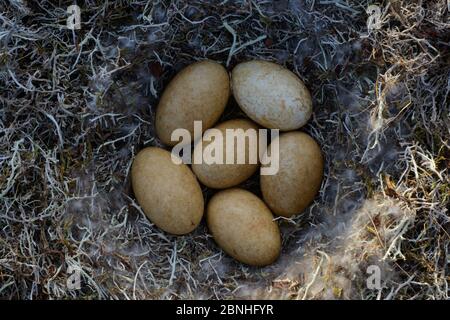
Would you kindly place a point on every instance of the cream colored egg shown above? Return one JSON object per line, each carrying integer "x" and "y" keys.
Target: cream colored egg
{"x": 292, "y": 189}
{"x": 239, "y": 148}
{"x": 243, "y": 227}
{"x": 168, "y": 193}
{"x": 271, "y": 95}
{"x": 198, "y": 92}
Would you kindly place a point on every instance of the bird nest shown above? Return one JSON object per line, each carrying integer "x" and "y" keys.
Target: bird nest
{"x": 77, "y": 105}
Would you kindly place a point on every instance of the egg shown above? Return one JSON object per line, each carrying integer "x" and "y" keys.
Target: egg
{"x": 295, "y": 185}
{"x": 271, "y": 95}
{"x": 222, "y": 175}
{"x": 168, "y": 193}
{"x": 242, "y": 225}
{"x": 198, "y": 92}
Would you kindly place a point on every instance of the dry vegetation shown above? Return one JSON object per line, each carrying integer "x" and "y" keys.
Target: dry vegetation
{"x": 75, "y": 107}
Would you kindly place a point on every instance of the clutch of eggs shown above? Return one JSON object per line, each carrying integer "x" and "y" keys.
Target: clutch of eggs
{"x": 241, "y": 223}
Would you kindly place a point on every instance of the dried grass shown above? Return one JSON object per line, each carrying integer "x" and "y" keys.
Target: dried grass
{"x": 77, "y": 106}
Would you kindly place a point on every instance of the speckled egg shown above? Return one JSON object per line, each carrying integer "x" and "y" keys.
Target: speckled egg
{"x": 271, "y": 95}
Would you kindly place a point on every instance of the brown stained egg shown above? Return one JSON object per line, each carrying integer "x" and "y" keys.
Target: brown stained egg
{"x": 242, "y": 225}
{"x": 222, "y": 175}
{"x": 168, "y": 193}
{"x": 271, "y": 95}
{"x": 292, "y": 189}
{"x": 198, "y": 92}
